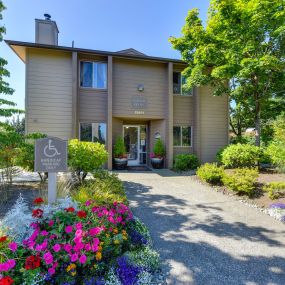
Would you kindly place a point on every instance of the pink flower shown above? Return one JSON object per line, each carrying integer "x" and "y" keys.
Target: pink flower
{"x": 51, "y": 223}
{"x": 78, "y": 226}
{"x": 67, "y": 247}
{"x": 82, "y": 259}
{"x": 68, "y": 229}
{"x": 95, "y": 231}
{"x": 13, "y": 246}
{"x": 44, "y": 233}
{"x": 79, "y": 233}
{"x": 111, "y": 220}
{"x": 74, "y": 257}
{"x": 51, "y": 271}
{"x": 48, "y": 258}
{"x": 57, "y": 247}
{"x": 11, "y": 263}
{"x": 77, "y": 239}
{"x": 6, "y": 266}
{"x": 88, "y": 203}
{"x": 119, "y": 219}
{"x": 52, "y": 236}
{"x": 87, "y": 247}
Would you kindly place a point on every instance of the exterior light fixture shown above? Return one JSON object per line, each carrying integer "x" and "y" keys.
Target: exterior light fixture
{"x": 140, "y": 88}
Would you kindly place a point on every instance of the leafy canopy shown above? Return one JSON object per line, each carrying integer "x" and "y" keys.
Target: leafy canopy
{"x": 243, "y": 43}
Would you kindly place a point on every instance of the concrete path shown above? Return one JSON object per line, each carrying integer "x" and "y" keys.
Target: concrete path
{"x": 205, "y": 237}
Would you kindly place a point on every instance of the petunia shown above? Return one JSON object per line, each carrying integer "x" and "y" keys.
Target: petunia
{"x": 13, "y": 246}
{"x": 74, "y": 257}
{"x": 67, "y": 247}
{"x": 68, "y": 229}
{"x": 56, "y": 247}
{"x": 82, "y": 259}
{"x": 48, "y": 258}
{"x": 44, "y": 233}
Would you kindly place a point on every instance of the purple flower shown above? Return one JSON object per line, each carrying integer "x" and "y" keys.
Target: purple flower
{"x": 277, "y": 205}
{"x": 128, "y": 273}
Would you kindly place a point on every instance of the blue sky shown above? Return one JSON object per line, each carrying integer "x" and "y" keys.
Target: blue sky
{"x": 104, "y": 25}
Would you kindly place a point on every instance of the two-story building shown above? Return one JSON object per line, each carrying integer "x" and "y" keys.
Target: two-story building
{"x": 99, "y": 95}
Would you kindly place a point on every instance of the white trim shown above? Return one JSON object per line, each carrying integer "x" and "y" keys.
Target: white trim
{"x": 94, "y": 61}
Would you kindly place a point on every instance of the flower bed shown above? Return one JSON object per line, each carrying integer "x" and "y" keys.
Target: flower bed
{"x": 277, "y": 210}
{"x": 70, "y": 243}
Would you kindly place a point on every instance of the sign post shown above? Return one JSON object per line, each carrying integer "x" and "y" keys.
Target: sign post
{"x": 51, "y": 157}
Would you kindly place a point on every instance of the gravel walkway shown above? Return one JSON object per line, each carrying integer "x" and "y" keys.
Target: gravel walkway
{"x": 203, "y": 236}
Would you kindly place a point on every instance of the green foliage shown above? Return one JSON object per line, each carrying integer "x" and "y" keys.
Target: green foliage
{"x": 119, "y": 148}
{"x": 275, "y": 189}
{"x": 159, "y": 149}
{"x": 18, "y": 124}
{"x": 184, "y": 162}
{"x": 106, "y": 188}
{"x": 241, "y": 155}
{"x": 241, "y": 180}
{"x": 242, "y": 43}
{"x": 276, "y": 150}
{"x": 84, "y": 157}
{"x": 6, "y": 106}
{"x": 211, "y": 173}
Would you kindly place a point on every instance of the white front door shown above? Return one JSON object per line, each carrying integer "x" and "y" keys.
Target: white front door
{"x": 135, "y": 142}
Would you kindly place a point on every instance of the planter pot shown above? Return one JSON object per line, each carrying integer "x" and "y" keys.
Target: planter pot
{"x": 156, "y": 162}
{"x": 120, "y": 163}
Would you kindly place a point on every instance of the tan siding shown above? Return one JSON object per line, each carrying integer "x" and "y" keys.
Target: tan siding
{"x": 92, "y": 105}
{"x": 182, "y": 150}
{"x": 183, "y": 110}
{"x": 117, "y": 129}
{"x": 127, "y": 75}
{"x": 49, "y": 93}
{"x": 213, "y": 123}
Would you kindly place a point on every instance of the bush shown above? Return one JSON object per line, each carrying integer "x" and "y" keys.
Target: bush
{"x": 242, "y": 180}
{"x": 183, "y": 162}
{"x": 158, "y": 149}
{"x": 84, "y": 157}
{"x": 275, "y": 189}
{"x": 241, "y": 155}
{"x": 106, "y": 188}
{"x": 211, "y": 173}
{"x": 120, "y": 148}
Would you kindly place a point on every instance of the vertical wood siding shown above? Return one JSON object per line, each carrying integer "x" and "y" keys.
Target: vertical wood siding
{"x": 49, "y": 93}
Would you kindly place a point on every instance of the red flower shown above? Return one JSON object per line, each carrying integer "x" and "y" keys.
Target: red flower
{"x": 70, "y": 210}
{"x": 3, "y": 239}
{"x": 32, "y": 262}
{"x": 7, "y": 280}
{"x": 37, "y": 213}
{"x": 81, "y": 214}
{"x": 38, "y": 201}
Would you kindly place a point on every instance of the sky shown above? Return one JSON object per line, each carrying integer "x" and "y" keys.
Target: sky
{"x": 109, "y": 25}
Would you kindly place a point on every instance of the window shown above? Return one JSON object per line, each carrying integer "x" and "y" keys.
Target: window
{"x": 93, "y": 75}
{"x": 93, "y": 132}
{"x": 182, "y": 136}
{"x": 179, "y": 85}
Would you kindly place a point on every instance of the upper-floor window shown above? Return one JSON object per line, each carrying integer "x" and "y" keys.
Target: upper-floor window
{"x": 179, "y": 83}
{"x": 93, "y": 75}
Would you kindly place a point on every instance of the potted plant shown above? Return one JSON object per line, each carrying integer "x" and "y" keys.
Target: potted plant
{"x": 120, "y": 154}
{"x": 156, "y": 158}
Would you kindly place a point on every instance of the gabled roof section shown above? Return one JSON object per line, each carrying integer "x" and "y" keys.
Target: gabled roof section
{"x": 131, "y": 51}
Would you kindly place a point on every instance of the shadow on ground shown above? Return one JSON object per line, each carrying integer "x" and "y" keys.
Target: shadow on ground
{"x": 200, "y": 261}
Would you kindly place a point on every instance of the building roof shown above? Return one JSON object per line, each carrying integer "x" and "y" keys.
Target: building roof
{"x": 20, "y": 47}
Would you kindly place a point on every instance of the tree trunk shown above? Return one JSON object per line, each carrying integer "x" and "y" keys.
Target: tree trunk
{"x": 257, "y": 121}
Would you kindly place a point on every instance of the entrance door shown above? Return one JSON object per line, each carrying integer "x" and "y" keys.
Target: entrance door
{"x": 135, "y": 142}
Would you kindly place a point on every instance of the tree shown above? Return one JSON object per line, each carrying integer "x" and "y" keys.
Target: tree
{"x": 240, "y": 52}
{"x": 6, "y": 106}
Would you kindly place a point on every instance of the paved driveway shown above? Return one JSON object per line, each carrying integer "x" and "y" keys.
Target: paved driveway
{"x": 205, "y": 237}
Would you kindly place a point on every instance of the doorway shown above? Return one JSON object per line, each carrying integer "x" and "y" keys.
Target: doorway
{"x": 135, "y": 139}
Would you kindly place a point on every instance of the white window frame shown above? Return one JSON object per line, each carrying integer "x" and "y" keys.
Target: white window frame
{"x": 181, "y": 94}
{"x": 181, "y": 139}
{"x": 79, "y": 129}
{"x": 93, "y": 88}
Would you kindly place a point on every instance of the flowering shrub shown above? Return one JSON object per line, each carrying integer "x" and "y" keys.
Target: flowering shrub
{"x": 277, "y": 210}
{"x": 78, "y": 244}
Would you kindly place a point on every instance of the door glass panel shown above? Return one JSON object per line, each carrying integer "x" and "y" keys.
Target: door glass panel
{"x": 131, "y": 142}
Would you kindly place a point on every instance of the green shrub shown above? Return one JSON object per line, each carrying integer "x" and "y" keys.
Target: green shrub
{"x": 84, "y": 157}
{"x": 276, "y": 152}
{"x": 241, "y": 155}
{"x": 158, "y": 149}
{"x": 184, "y": 162}
{"x": 105, "y": 188}
{"x": 211, "y": 173}
{"x": 119, "y": 148}
{"x": 242, "y": 180}
{"x": 275, "y": 189}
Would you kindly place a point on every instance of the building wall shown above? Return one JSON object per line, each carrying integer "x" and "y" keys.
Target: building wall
{"x": 49, "y": 93}
{"x": 127, "y": 75}
{"x": 212, "y": 122}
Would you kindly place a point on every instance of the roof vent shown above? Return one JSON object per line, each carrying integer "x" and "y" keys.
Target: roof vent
{"x": 47, "y": 17}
